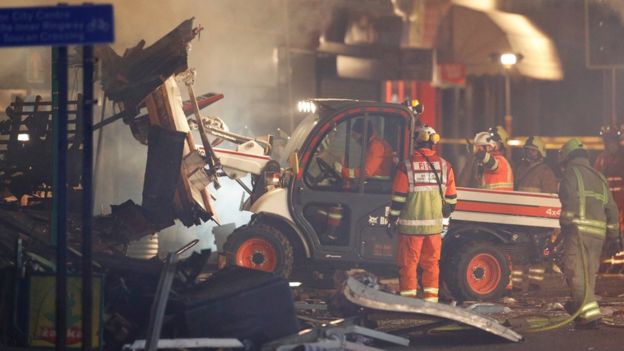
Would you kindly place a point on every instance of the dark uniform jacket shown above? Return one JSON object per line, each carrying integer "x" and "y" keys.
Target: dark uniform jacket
{"x": 586, "y": 202}
{"x": 536, "y": 177}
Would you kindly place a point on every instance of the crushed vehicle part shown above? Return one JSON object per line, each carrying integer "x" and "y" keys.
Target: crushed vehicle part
{"x": 188, "y": 344}
{"x": 336, "y": 335}
{"x": 130, "y": 78}
{"x": 364, "y": 296}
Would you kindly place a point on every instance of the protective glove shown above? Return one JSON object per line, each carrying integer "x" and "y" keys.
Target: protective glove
{"x": 338, "y": 167}
{"x": 392, "y": 227}
{"x": 614, "y": 246}
{"x": 470, "y": 147}
{"x": 480, "y": 154}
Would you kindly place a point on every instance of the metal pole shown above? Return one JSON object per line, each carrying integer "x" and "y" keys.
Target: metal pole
{"x": 59, "y": 188}
{"x": 508, "y": 118}
{"x": 290, "y": 106}
{"x": 87, "y": 197}
{"x": 613, "y": 109}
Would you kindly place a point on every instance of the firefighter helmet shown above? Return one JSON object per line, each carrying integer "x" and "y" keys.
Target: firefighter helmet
{"x": 569, "y": 147}
{"x": 499, "y": 134}
{"x": 536, "y": 143}
{"x": 484, "y": 139}
{"x": 425, "y": 134}
{"x": 415, "y": 106}
{"x": 611, "y": 132}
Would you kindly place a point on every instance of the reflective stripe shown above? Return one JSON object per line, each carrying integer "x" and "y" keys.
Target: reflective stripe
{"x": 494, "y": 186}
{"x": 431, "y": 299}
{"x": 591, "y": 313}
{"x": 410, "y": 175}
{"x": 450, "y": 201}
{"x": 584, "y": 225}
{"x": 335, "y": 215}
{"x": 395, "y": 212}
{"x": 425, "y": 188}
{"x": 431, "y": 290}
{"x": 568, "y": 214}
{"x": 590, "y": 223}
{"x": 589, "y": 306}
{"x": 399, "y": 198}
{"x": 590, "y": 310}
{"x": 417, "y": 222}
{"x": 591, "y": 231}
{"x": 408, "y": 292}
{"x": 529, "y": 189}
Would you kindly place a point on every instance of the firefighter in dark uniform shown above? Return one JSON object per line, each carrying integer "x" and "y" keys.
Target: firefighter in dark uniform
{"x": 534, "y": 175}
{"x": 589, "y": 216}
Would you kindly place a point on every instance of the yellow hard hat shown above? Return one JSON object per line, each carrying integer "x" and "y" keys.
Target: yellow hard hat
{"x": 499, "y": 134}
{"x": 536, "y": 143}
{"x": 570, "y": 146}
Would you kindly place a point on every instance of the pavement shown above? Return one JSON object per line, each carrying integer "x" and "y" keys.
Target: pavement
{"x": 537, "y": 304}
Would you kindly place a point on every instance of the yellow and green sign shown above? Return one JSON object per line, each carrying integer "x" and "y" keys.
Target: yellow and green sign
{"x": 41, "y": 307}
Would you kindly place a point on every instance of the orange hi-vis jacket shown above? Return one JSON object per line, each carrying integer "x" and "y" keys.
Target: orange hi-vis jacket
{"x": 497, "y": 173}
{"x": 416, "y": 195}
{"x": 417, "y": 202}
{"x": 379, "y": 160}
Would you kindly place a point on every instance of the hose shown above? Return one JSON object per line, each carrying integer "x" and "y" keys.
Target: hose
{"x": 568, "y": 320}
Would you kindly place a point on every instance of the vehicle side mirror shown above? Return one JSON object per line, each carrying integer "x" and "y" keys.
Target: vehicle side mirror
{"x": 293, "y": 160}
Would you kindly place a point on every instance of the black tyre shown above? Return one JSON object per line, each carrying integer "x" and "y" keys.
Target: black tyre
{"x": 260, "y": 247}
{"x": 476, "y": 271}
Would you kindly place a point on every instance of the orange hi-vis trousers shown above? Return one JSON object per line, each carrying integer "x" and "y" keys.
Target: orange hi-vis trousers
{"x": 424, "y": 250}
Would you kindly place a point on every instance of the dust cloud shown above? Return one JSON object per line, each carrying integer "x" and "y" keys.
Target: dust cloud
{"x": 236, "y": 54}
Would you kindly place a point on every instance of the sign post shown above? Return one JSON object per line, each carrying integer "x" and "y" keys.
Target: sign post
{"x": 59, "y": 26}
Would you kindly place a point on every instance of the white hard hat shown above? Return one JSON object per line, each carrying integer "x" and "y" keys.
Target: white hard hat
{"x": 484, "y": 139}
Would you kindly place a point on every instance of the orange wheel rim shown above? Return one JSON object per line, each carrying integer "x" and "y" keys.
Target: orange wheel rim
{"x": 257, "y": 253}
{"x": 483, "y": 274}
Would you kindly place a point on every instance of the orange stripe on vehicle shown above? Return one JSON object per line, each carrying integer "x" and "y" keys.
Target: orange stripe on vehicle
{"x": 516, "y": 210}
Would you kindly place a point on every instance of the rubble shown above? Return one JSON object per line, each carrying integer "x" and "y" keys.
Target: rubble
{"x": 369, "y": 297}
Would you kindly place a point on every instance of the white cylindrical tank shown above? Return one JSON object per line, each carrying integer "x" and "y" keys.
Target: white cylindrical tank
{"x": 144, "y": 248}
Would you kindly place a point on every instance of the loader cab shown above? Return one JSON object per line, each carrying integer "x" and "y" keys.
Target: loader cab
{"x": 341, "y": 195}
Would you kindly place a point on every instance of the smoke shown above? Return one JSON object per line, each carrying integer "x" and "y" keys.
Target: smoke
{"x": 235, "y": 55}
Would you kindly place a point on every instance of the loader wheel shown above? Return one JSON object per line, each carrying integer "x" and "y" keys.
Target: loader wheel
{"x": 260, "y": 247}
{"x": 477, "y": 271}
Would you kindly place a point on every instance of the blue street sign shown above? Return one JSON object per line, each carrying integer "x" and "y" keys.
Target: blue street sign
{"x": 58, "y": 25}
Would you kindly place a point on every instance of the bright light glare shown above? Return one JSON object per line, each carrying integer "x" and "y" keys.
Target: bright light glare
{"x": 306, "y": 106}
{"x": 509, "y": 59}
{"x": 294, "y": 284}
{"x": 23, "y": 137}
{"x": 514, "y": 142}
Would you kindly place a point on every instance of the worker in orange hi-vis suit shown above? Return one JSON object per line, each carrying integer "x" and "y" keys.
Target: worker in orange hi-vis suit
{"x": 495, "y": 172}
{"x": 378, "y": 165}
{"x": 423, "y": 194}
{"x": 379, "y": 154}
{"x": 611, "y": 163}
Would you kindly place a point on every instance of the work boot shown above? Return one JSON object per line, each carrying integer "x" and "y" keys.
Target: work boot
{"x": 587, "y": 325}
